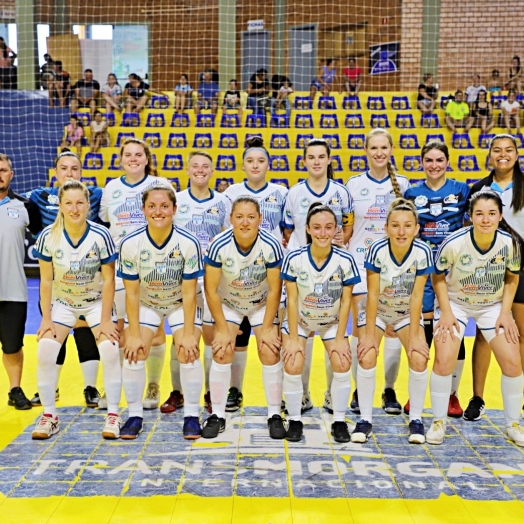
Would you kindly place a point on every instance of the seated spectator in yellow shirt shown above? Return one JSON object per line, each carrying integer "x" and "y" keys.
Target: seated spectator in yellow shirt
{"x": 457, "y": 113}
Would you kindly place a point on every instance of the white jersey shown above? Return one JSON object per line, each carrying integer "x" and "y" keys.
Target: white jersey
{"x": 160, "y": 269}
{"x": 204, "y": 218}
{"x": 121, "y": 205}
{"x": 243, "y": 284}
{"x": 475, "y": 278}
{"x": 319, "y": 289}
{"x": 301, "y": 196}
{"x": 271, "y": 199}
{"x": 397, "y": 279}
{"x": 77, "y": 282}
{"x": 371, "y": 199}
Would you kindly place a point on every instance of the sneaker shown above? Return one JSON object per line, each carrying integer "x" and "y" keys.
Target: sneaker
{"x": 416, "y": 432}
{"x": 112, "y": 427}
{"x": 306, "y": 402}
{"x": 102, "y": 401}
{"x": 436, "y": 433}
{"x": 213, "y": 426}
{"x": 35, "y": 401}
{"x": 132, "y": 428}
{"x": 276, "y": 427}
{"x": 328, "y": 404}
{"x": 207, "y": 402}
{"x": 354, "y": 403}
{"x": 46, "y": 427}
{"x": 361, "y": 432}
{"x": 295, "y": 430}
{"x": 390, "y": 403}
{"x": 18, "y": 400}
{"x": 91, "y": 396}
{"x": 235, "y": 400}
{"x": 515, "y": 433}
{"x": 340, "y": 432}
{"x": 454, "y": 409}
{"x": 406, "y": 408}
{"x": 175, "y": 400}
{"x": 475, "y": 409}
{"x": 152, "y": 398}
{"x": 191, "y": 429}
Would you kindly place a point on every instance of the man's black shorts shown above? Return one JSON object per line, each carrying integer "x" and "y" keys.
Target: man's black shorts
{"x": 12, "y": 326}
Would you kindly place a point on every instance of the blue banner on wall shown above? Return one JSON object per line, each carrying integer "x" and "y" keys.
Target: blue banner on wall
{"x": 384, "y": 58}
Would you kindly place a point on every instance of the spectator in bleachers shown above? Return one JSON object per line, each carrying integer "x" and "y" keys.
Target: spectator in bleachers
{"x": 7, "y": 57}
{"x": 112, "y": 94}
{"x": 60, "y": 86}
{"x": 473, "y": 90}
{"x": 99, "y": 135}
{"x": 353, "y": 77}
{"x": 511, "y": 112}
{"x": 47, "y": 72}
{"x": 73, "y": 135}
{"x": 183, "y": 92}
{"x": 85, "y": 93}
{"x": 135, "y": 93}
{"x": 427, "y": 94}
{"x": 208, "y": 92}
{"x": 232, "y": 98}
{"x": 326, "y": 76}
{"x": 482, "y": 111}
{"x": 223, "y": 184}
{"x": 457, "y": 113}
{"x": 495, "y": 83}
{"x": 258, "y": 90}
{"x": 278, "y": 81}
{"x": 514, "y": 75}
{"x": 283, "y": 96}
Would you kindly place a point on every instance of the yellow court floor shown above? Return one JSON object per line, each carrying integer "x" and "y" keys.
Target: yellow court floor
{"x": 244, "y": 477}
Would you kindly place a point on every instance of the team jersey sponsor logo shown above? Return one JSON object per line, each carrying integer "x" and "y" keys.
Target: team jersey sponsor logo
{"x": 443, "y": 261}
{"x": 421, "y": 201}
{"x": 161, "y": 267}
{"x": 229, "y": 262}
{"x": 183, "y": 209}
{"x": 305, "y": 202}
{"x": 74, "y": 265}
{"x": 53, "y": 199}
{"x": 117, "y": 193}
{"x": 466, "y": 260}
{"x": 435, "y": 209}
{"x": 198, "y": 219}
{"x": 451, "y": 199}
{"x": 498, "y": 259}
{"x": 145, "y": 255}
{"x": 364, "y": 191}
{"x": 12, "y": 213}
{"x": 192, "y": 262}
{"x": 303, "y": 275}
{"x": 130, "y": 201}
{"x": 480, "y": 272}
{"x": 128, "y": 264}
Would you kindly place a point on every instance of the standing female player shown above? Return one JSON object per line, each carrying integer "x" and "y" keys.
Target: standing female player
{"x": 441, "y": 206}
{"x": 121, "y": 209}
{"x": 160, "y": 265}
{"x": 397, "y": 269}
{"x": 243, "y": 280}
{"x": 319, "y": 280}
{"x": 72, "y": 253}
{"x": 271, "y": 198}
{"x": 69, "y": 167}
{"x": 477, "y": 276}
{"x": 507, "y": 180}
{"x": 372, "y": 192}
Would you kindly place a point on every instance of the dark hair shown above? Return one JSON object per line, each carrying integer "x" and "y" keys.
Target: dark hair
{"x": 233, "y": 80}
{"x": 434, "y": 144}
{"x": 517, "y": 58}
{"x": 352, "y": 58}
{"x": 66, "y": 152}
{"x": 245, "y": 200}
{"x": 495, "y": 72}
{"x": 116, "y": 79}
{"x": 321, "y": 142}
{"x": 261, "y": 71}
{"x": 3, "y": 46}
{"x": 97, "y": 112}
{"x": 87, "y": 70}
{"x": 314, "y": 209}
{"x": 185, "y": 76}
{"x": 329, "y": 61}
{"x": 427, "y": 76}
{"x": 170, "y": 193}
{"x": 517, "y": 200}
{"x": 485, "y": 94}
{"x": 402, "y": 204}
{"x": 254, "y": 141}
{"x": 133, "y": 76}
{"x": 458, "y": 91}
{"x": 58, "y": 63}
{"x": 74, "y": 117}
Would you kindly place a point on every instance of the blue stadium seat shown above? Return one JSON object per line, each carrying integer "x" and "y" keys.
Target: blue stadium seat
{"x": 227, "y": 141}
{"x": 471, "y": 181}
{"x": 443, "y": 101}
{"x": 468, "y": 163}
{"x": 83, "y": 118}
{"x": 279, "y": 120}
{"x": 114, "y": 165}
{"x": 496, "y": 100}
{"x": 205, "y": 120}
{"x": 332, "y": 140}
{"x": 520, "y": 141}
{"x": 376, "y": 103}
{"x": 521, "y": 162}
{"x": 180, "y": 120}
{"x": 329, "y": 121}
{"x": 177, "y": 140}
{"x": 256, "y": 120}
{"x": 429, "y": 120}
{"x": 302, "y": 140}
{"x": 173, "y": 163}
{"x": 302, "y": 102}
{"x": 53, "y": 181}
{"x": 122, "y": 136}
{"x": 379, "y": 120}
{"x": 393, "y": 162}
{"x": 278, "y": 163}
{"x": 93, "y": 161}
{"x": 408, "y": 141}
{"x": 282, "y": 181}
{"x": 336, "y": 163}
{"x": 153, "y": 139}
{"x": 89, "y": 180}
{"x": 356, "y": 141}
{"x": 229, "y": 179}
{"x": 110, "y": 118}
{"x": 299, "y": 164}
{"x": 461, "y": 141}
{"x": 154, "y": 160}
{"x": 230, "y": 120}
{"x": 351, "y": 103}
{"x": 358, "y": 163}
{"x": 279, "y": 141}
{"x": 411, "y": 163}
{"x": 437, "y": 136}
{"x": 203, "y": 141}
{"x": 175, "y": 182}
{"x": 130, "y": 120}
{"x": 156, "y": 120}
{"x": 226, "y": 163}
{"x": 400, "y": 103}
{"x": 304, "y": 121}
{"x": 354, "y": 121}
{"x": 159, "y": 102}
{"x": 403, "y": 121}
{"x": 485, "y": 139}
{"x": 327, "y": 103}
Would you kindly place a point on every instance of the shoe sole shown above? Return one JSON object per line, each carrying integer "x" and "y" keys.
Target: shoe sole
{"x": 129, "y": 437}
{"x": 92, "y": 405}
{"x": 42, "y": 436}
{"x": 191, "y": 437}
{"x": 392, "y": 411}
{"x": 474, "y": 419}
{"x": 434, "y": 442}
{"x": 355, "y": 410}
{"x": 151, "y": 407}
{"x": 232, "y": 409}
{"x": 416, "y": 439}
{"x": 23, "y": 408}
{"x": 359, "y": 438}
{"x": 456, "y": 415}
{"x": 109, "y": 436}
{"x": 341, "y": 441}
{"x": 294, "y": 439}
{"x": 221, "y": 430}
{"x": 521, "y": 444}
{"x": 279, "y": 436}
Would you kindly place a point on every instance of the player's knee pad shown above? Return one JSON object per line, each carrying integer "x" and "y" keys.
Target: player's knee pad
{"x": 462, "y": 351}
{"x": 428, "y": 331}
{"x": 86, "y": 344}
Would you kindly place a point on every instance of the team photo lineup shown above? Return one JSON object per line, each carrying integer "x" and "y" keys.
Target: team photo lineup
{"x": 115, "y": 263}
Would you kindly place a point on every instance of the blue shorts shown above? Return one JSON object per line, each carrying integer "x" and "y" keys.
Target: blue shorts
{"x": 428, "y": 302}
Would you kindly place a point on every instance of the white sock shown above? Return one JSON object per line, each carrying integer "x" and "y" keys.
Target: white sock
{"x": 192, "y": 377}
{"x": 238, "y": 369}
{"x": 306, "y": 372}
{"x": 219, "y": 380}
{"x": 440, "y": 388}
{"x": 47, "y": 373}
{"x": 353, "y": 344}
{"x": 110, "y": 357}
{"x": 208, "y": 360}
{"x": 366, "y": 392}
{"x": 174, "y": 364}
{"x": 134, "y": 382}
{"x": 155, "y": 363}
{"x": 293, "y": 390}
{"x": 457, "y": 375}
{"x": 392, "y": 353}
{"x": 417, "y": 385}
{"x": 272, "y": 377}
{"x": 90, "y": 372}
{"x": 340, "y": 390}
{"x": 329, "y": 371}
{"x": 512, "y": 398}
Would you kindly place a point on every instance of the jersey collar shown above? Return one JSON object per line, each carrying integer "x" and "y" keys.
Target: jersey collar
{"x": 405, "y": 256}
{"x": 211, "y": 192}
{"x": 475, "y": 244}
{"x": 318, "y": 194}
{"x": 124, "y": 181}
{"x": 255, "y": 191}
{"x": 385, "y": 179}
{"x": 242, "y": 253}
{"x": 162, "y": 246}
{"x": 5, "y": 200}
{"x": 312, "y": 262}
{"x": 69, "y": 241}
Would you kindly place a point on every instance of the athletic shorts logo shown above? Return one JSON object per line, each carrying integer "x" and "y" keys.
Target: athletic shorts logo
{"x": 421, "y": 201}
{"x": 12, "y": 213}
{"x": 466, "y": 260}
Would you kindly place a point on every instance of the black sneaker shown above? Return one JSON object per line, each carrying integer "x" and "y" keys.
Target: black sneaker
{"x": 18, "y": 400}
{"x": 294, "y": 432}
{"x": 361, "y": 432}
{"x": 340, "y": 432}
{"x": 276, "y": 427}
{"x": 35, "y": 401}
{"x": 390, "y": 403}
{"x": 416, "y": 432}
{"x": 475, "y": 409}
{"x": 92, "y": 396}
{"x": 213, "y": 426}
{"x": 235, "y": 400}
{"x": 354, "y": 403}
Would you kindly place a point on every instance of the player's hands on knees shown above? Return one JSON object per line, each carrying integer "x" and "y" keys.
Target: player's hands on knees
{"x": 340, "y": 347}
{"x": 46, "y": 327}
{"x": 366, "y": 343}
{"x": 134, "y": 345}
{"x": 222, "y": 342}
{"x": 110, "y": 330}
{"x": 508, "y": 324}
{"x": 271, "y": 339}
{"x": 290, "y": 349}
{"x": 418, "y": 344}
{"x": 444, "y": 327}
{"x": 189, "y": 347}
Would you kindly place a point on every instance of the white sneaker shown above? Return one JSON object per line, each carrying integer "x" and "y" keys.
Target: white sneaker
{"x": 102, "y": 401}
{"x": 307, "y": 404}
{"x": 436, "y": 433}
{"x": 47, "y": 426}
{"x": 328, "y": 403}
{"x": 515, "y": 433}
{"x": 112, "y": 427}
{"x": 152, "y": 398}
